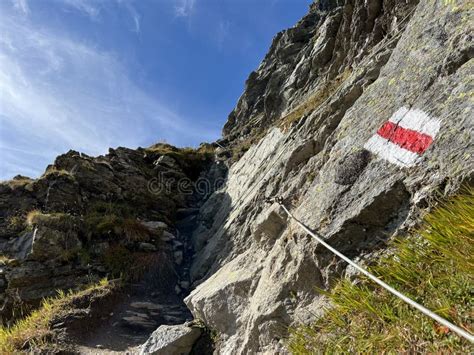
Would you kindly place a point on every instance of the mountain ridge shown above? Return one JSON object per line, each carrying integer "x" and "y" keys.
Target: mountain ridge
{"x": 310, "y": 129}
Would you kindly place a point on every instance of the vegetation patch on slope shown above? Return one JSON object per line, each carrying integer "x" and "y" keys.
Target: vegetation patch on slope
{"x": 314, "y": 101}
{"x": 190, "y": 160}
{"x": 37, "y": 332}
{"x": 434, "y": 266}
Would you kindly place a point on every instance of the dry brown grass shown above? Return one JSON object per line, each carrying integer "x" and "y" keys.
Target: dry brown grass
{"x": 17, "y": 182}
{"x": 53, "y": 171}
{"x": 34, "y": 333}
{"x": 314, "y": 101}
{"x": 61, "y": 221}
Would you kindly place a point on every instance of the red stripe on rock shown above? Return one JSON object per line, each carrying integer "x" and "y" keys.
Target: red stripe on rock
{"x": 413, "y": 141}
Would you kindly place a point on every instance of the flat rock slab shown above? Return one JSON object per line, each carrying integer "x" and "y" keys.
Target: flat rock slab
{"x": 147, "y": 305}
{"x": 137, "y": 322}
{"x": 171, "y": 340}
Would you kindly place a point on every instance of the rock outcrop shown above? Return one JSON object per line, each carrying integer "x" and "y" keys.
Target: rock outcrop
{"x": 323, "y": 90}
{"x": 87, "y": 218}
{"x": 357, "y": 118}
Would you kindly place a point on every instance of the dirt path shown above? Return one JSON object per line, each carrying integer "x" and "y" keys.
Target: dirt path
{"x": 144, "y": 307}
{"x": 132, "y": 321}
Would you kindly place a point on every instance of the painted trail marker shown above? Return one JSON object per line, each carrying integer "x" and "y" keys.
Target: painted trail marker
{"x": 404, "y": 137}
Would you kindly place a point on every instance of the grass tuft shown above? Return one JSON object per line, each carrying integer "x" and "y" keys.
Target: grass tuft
{"x": 17, "y": 182}
{"x": 60, "y": 221}
{"x": 434, "y": 266}
{"x": 189, "y": 159}
{"x": 314, "y": 101}
{"x": 53, "y": 171}
{"x": 35, "y": 332}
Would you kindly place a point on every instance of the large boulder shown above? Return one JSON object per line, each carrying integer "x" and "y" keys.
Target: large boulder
{"x": 171, "y": 340}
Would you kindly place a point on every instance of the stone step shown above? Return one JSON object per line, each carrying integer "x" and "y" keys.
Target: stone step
{"x": 137, "y": 322}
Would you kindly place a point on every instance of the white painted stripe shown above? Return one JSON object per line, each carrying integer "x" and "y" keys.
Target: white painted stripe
{"x": 391, "y": 152}
{"x": 416, "y": 120}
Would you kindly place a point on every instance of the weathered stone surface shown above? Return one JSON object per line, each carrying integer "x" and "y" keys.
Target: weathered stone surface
{"x": 298, "y": 133}
{"x": 349, "y": 170}
{"x": 21, "y": 247}
{"x": 50, "y": 243}
{"x": 171, "y": 340}
{"x": 88, "y": 217}
{"x": 269, "y": 224}
{"x": 248, "y": 291}
{"x": 138, "y": 321}
{"x": 167, "y": 236}
{"x": 167, "y": 162}
{"x": 147, "y": 247}
{"x": 155, "y": 225}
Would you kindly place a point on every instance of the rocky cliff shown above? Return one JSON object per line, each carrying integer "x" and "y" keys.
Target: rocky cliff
{"x": 317, "y": 108}
{"x": 356, "y": 119}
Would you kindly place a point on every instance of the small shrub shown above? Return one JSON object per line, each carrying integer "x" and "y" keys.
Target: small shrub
{"x": 32, "y": 217}
{"x": 135, "y": 231}
{"x": 106, "y": 219}
{"x": 108, "y": 224}
{"x": 157, "y": 268}
{"x": 84, "y": 256}
{"x": 5, "y": 260}
{"x": 111, "y": 225}
{"x": 118, "y": 260}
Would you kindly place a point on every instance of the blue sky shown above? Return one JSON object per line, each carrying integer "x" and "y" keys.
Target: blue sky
{"x": 93, "y": 74}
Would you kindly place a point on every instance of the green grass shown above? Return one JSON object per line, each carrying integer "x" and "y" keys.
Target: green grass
{"x": 434, "y": 266}
{"x": 34, "y": 332}
{"x": 116, "y": 221}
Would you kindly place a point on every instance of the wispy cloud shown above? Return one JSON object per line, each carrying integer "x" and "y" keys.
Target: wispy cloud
{"x": 87, "y": 7}
{"x": 94, "y": 9}
{"x": 57, "y": 94}
{"x": 21, "y": 6}
{"x": 222, "y": 32}
{"x": 184, "y": 8}
{"x": 134, "y": 15}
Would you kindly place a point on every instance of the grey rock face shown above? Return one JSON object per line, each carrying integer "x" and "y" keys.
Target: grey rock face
{"x": 21, "y": 247}
{"x": 171, "y": 340}
{"x": 51, "y": 243}
{"x": 147, "y": 247}
{"x": 255, "y": 274}
{"x": 349, "y": 170}
{"x": 332, "y": 38}
{"x": 155, "y": 225}
{"x": 87, "y": 212}
{"x": 269, "y": 224}
{"x": 323, "y": 91}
